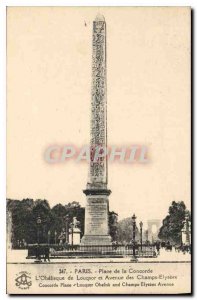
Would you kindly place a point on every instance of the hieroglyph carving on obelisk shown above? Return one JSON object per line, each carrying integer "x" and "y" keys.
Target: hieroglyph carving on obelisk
{"x": 98, "y": 170}
{"x": 97, "y": 207}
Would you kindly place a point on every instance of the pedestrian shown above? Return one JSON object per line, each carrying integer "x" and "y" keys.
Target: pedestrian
{"x": 158, "y": 247}
{"x": 46, "y": 254}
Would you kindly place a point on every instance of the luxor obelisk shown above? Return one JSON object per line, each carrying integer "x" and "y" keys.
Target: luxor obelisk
{"x": 97, "y": 206}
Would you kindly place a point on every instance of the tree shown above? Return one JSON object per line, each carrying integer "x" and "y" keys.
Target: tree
{"x": 58, "y": 213}
{"x": 26, "y": 212}
{"x": 21, "y": 219}
{"x": 41, "y": 209}
{"x": 125, "y": 231}
{"x": 173, "y": 223}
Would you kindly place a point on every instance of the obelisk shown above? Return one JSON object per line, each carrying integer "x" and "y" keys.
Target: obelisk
{"x": 97, "y": 206}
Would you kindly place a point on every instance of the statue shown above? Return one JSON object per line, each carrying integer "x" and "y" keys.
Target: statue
{"x": 75, "y": 222}
{"x": 74, "y": 232}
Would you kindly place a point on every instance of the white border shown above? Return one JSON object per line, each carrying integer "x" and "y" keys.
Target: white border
{"x": 3, "y": 4}
{"x": 98, "y": 3}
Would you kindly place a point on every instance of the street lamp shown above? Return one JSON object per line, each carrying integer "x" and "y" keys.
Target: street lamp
{"x": 55, "y": 237}
{"x": 147, "y": 235}
{"x": 44, "y": 232}
{"x": 134, "y": 229}
{"x": 38, "y": 222}
{"x": 49, "y": 235}
{"x": 141, "y": 225}
{"x": 66, "y": 218}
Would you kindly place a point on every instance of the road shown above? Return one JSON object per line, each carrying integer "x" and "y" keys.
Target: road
{"x": 19, "y": 256}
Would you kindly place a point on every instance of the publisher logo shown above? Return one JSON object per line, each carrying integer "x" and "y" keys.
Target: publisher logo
{"x": 23, "y": 280}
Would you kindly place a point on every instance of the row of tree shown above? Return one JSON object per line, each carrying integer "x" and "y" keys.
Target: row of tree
{"x": 25, "y": 214}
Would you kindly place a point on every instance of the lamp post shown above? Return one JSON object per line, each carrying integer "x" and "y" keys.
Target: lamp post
{"x": 141, "y": 225}
{"x": 38, "y": 222}
{"x": 147, "y": 235}
{"x": 134, "y": 229}
{"x": 49, "y": 236}
{"x": 66, "y": 218}
{"x": 55, "y": 237}
{"x": 44, "y": 232}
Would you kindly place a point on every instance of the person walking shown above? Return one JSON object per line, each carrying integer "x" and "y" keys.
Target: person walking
{"x": 46, "y": 254}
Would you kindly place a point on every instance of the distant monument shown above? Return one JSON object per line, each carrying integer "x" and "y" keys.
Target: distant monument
{"x": 186, "y": 232}
{"x": 153, "y": 224}
{"x": 97, "y": 207}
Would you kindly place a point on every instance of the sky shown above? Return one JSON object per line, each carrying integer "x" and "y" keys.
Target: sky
{"x": 148, "y": 103}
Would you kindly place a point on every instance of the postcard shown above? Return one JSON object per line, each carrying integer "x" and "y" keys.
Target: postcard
{"x": 98, "y": 150}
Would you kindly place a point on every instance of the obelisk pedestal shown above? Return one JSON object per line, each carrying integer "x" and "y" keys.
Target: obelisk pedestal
{"x": 97, "y": 207}
{"x": 96, "y": 218}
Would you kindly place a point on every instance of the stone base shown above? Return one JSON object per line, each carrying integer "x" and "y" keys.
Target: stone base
{"x": 96, "y": 240}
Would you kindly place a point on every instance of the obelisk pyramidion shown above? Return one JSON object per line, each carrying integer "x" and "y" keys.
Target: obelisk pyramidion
{"x": 97, "y": 206}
